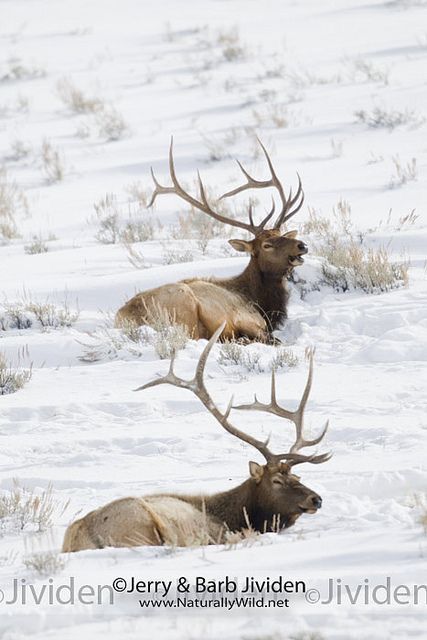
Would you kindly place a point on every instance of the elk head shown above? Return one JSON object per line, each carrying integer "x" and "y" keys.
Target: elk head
{"x": 279, "y": 493}
{"x": 274, "y": 252}
{"x": 277, "y": 497}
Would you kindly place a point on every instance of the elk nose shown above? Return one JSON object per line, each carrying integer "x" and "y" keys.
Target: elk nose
{"x": 317, "y": 501}
{"x": 303, "y": 247}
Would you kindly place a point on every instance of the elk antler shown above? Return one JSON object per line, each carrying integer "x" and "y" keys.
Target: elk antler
{"x": 297, "y": 416}
{"x": 288, "y": 203}
{"x": 197, "y": 386}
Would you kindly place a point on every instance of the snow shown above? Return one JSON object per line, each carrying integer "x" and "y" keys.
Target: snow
{"x": 80, "y": 426}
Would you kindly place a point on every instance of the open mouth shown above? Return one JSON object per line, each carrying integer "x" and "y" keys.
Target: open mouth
{"x": 296, "y": 260}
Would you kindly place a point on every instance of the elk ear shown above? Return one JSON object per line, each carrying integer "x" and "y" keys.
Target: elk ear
{"x": 242, "y": 245}
{"x": 256, "y": 471}
{"x": 290, "y": 234}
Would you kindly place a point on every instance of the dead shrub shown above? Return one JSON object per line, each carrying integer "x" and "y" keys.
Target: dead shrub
{"x": 404, "y": 172}
{"x": 12, "y": 379}
{"x": 174, "y": 256}
{"x": 114, "y": 225}
{"x": 53, "y": 165}
{"x": 251, "y": 359}
{"x": 14, "y": 316}
{"x": 138, "y": 193}
{"x": 13, "y": 202}
{"x": 380, "y": 117}
{"x": 231, "y": 46}
{"x": 349, "y": 264}
{"x": 25, "y": 312}
{"x": 161, "y": 332}
{"x": 37, "y": 245}
{"x": 170, "y": 337}
{"x": 21, "y": 508}
{"x": 110, "y": 123}
{"x": 17, "y": 70}
{"x": 45, "y": 563}
{"x": 75, "y": 99}
{"x": 49, "y": 315}
{"x": 108, "y": 215}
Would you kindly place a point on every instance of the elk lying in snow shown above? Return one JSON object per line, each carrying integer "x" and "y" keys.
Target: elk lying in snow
{"x": 252, "y": 304}
{"x": 270, "y": 499}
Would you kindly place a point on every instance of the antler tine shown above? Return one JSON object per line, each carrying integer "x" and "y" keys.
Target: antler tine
{"x": 274, "y": 179}
{"x": 197, "y": 380}
{"x": 251, "y": 183}
{"x": 202, "y": 205}
{"x": 159, "y": 189}
{"x": 290, "y": 205}
{"x": 287, "y": 202}
{"x": 250, "y": 214}
{"x": 297, "y": 417}
{"x": 269, "y": 215}
{"x": 200, "y": 370}
{"x": 288, "y": 212}
{"x": 197, "y": 386}
{"x": 169, "y": 378}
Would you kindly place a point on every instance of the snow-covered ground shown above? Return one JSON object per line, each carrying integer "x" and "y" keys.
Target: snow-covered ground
{"x": 179, "y": 68}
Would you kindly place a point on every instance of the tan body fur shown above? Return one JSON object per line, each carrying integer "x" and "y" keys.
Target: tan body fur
{"x": 152, "y": 520}
{"x": 200, "y": 306}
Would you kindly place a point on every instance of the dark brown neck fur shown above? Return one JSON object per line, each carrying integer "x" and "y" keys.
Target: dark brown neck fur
{"x": 267, "y": 291}
{"x": 229, "y": 508}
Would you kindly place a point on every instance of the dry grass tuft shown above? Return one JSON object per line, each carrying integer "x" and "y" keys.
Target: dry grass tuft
{"x": 251, "y": 359}
{"x": 420, "y": 503}
{"x": 404, "y": 172}
{"x": 231, "y": 46}
{"x": 45, "y": 563}
{"x": 75, "y": 99}
{"x": 36, "y": 246}
{"x": 162, "y": 332}
{"x": 17, "y": 70}
{"x": 110, "y": 123}
{"x": 114, "y": 226}
{"x": 170, "y": 337}
{"x": 23, "y": 313}
{"x": 12, "y": 379}
{"x": 12, "y": 203}
{"x": 380, "y": 117}
{"x": 53, "y": 164}
{"x": 21, "y": 508}
{"x": 349, "y": 264}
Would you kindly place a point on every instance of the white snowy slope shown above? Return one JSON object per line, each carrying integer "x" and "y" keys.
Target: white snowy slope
{"x": 79, "y": 426}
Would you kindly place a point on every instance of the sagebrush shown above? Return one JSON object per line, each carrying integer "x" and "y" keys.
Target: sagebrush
{"x": 13, "y": 203}
{"x": 12, "y": 378}
{"x": 22, "y": 508}
{"x": 348, "y": 262}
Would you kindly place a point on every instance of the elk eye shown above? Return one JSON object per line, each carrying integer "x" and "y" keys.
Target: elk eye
{"x": 267, "y": 245}
{"x": 278, "y": 482}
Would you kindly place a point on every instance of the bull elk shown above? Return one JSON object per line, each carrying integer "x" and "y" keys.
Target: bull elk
{"x": 272, "y": 497}
{"x": 252, "y": 304}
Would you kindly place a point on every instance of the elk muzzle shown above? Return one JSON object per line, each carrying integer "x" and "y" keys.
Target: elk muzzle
{"x": 296, "y": 260}
{"x": 311, "y": 504}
